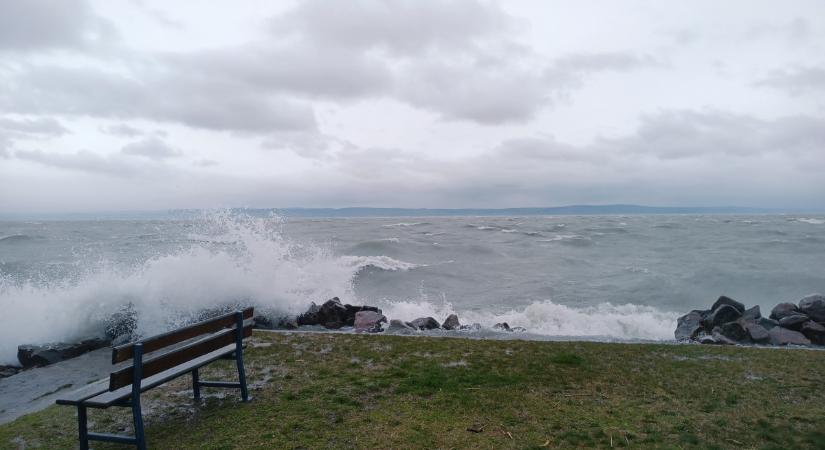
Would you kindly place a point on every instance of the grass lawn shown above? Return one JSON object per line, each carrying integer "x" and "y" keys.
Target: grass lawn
{"x": 365, "y": 391}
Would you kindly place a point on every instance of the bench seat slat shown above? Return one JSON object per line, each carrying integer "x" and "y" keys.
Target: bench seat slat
{"x": 106, "y": 399}
{"x": 90, "y": 390}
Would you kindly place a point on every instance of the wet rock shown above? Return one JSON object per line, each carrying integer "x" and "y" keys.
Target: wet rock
{"x": 349, "y": 320}
{"x": 503, "y": 326}
{"x": 814, "y": 331}
{"x": 722, "y": 339}
{"x": 263, "y": 322}
{"x": 767, "y": 323}
{"x": 472, "y": 327}
{"x": 752, "y": 314}
{"x": 43, "y": 355}
{"x": 722, "y": 314}
{"x": 784, "y": 336}
{"x": 707, "y": 339}
{"x": 732, "y": 330}
{"x": 518, "y": 329}
{"x": 723, "y": 300}
{"x": 7, "y": 371}
{"x": 369, "y": 321}
{"x": 399, "y": 325}
{"x": 332, "y": 314}
{"x": 757, "y": 333}
{"x": 689, "y": 326}
{"x": 425, "y": 323}
{"x": 794, "y": 321}
{"x": 451, "y": 323}
{"x": 122, "y": 324}
{"x": 814, "y": 307}
{"x": 782, "y": 310}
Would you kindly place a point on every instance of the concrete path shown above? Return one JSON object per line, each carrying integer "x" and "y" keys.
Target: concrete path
{"x": 36, "y": 389}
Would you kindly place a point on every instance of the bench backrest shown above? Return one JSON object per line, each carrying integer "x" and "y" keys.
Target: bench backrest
{"x": 205, "y": 337}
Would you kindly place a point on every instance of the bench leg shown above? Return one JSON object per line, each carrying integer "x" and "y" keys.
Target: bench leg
{"x": 82, "y": 430}
{"x": 239, "y": 355}
{"x": 140, "y": 438}
{"x": 196, "y": 387}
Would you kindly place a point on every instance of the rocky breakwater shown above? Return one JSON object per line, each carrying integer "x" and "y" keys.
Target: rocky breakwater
{"x": 730, "y": 322}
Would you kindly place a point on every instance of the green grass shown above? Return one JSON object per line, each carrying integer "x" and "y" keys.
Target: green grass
{"x": 359, "y": 391}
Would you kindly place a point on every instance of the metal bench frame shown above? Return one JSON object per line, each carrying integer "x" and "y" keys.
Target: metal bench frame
{"x": 132, "y": 400}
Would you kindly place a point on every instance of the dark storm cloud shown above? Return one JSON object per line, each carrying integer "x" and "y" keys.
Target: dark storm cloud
{"x": 152, "y": 148}
{"x": 796, "y": 81}
{"x": 44, "y": 24}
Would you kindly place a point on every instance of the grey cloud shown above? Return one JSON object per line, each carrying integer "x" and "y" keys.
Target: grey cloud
{"x": 797, "y": 29}
{"x": 83, "y": 160}
{"x": 402, "y": 26}
{"x": 122, "y": 130}
{"x": 609, "y": 61}
{"x": 42, "y": 126}
{"x": 152, "y": 148}
{"x": 796, "y": 81}
{"x": 43, "y": 24}
{"x": 205, "y": 163}
{"x": 196, "y": 101}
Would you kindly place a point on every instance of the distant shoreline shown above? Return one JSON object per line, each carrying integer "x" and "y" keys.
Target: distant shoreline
{"x": 370, "y": 212}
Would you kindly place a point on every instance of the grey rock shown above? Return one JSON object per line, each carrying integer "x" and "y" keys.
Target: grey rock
{"x": 752, "y": 314}
{"x": 122, "y": 323}
{"x": 722, "y": 314}
{"x": 451, "y": 323}
{"x": 369, "y": 321}
{"x": 43, "y": 355}
{"x": 425, "y": 323}
{"x": 782, "y": 310}
{"x": 399, "y": 325}
{"x": 813, "y": 306}
{"x": 7, "y": 371}
{"x": 472, "y": 327}
{"x": 757, "y": 333}
{"x": 733, "y": 331}
{"x": 518, "y": 329}
{"x": 688, "y": 326}
{"x": 784, "y": 336}
{"x": 814, "y": 331}
{"x": 722, "y": 339}
{"x": 503, "y": 326}
{"x": 723, "y": 300}
{"x": 767, "y": 323}
{"x": 794, "y": 321}
{"x": 332, "y": 314}
{"x": 707, "y": 339}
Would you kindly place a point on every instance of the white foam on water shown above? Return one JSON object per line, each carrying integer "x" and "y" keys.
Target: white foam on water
{"x": 239, "y": 260}
{"x": 624, "y": 322}
{"x": 811, "y": 221}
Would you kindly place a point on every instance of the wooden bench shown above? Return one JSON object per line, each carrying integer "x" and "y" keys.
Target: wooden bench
{"x": 150, "y": 362}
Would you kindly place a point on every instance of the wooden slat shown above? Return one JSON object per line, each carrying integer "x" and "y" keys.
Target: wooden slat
{"x": 126, "y": 351}
{"x": 90, "y": 390}
{"x": 109, "y": 398}
{"x": 178, "y": 356}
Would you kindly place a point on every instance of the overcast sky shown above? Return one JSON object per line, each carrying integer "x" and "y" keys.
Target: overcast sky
{"x": 143, "y": 104}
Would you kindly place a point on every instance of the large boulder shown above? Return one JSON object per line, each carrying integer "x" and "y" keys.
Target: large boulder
{"x": 732, "y": 330}
{"x": 7, "y": 371}
{"x": 689, "y": 326}
{"x": 43, "y": 355}
{"x": 814, "y": 331}
{"x": 757, "y": 333}
{"x": 399, "y": 325}
{"x": 369, "y": 321}
{"x": 333, "y": 314}
{"x": 425, "y": 323}
{"x": 752, "y": 314}
{"x": 793, "y": 321}
{"x": 767, "y": 323}
{"x": 724, "y": 313}
{"x": 723, "y": 300}
{"x": 814, "y": 307}
{"x": 782, "y": 310}
{"x": 784, "y": 336}
{"x": 503, "y": 326}
{"x": 451, "y": 323}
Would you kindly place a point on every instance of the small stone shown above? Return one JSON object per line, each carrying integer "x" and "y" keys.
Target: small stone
{"x": 451, "y": 323}
{"x": 784, "y": 336}
{"x": 794, "y": 321}
{"x": 425, "y": 323}
{"x": 783, "y": 309}
{"x": 814, "y": 307}
{"x": 723, "y": 300}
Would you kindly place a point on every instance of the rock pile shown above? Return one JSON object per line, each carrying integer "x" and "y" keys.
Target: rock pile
{"x": 729, "y": 322}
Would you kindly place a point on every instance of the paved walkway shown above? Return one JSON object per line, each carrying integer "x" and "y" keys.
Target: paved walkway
{"x": 36, "y": 389}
